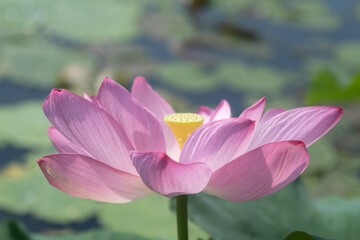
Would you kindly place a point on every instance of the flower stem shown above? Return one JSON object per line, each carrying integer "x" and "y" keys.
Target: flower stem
{"x": 182, "y": 218}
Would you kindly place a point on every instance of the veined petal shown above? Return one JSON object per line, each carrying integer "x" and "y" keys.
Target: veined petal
{"x": 271, "y": 113}
{"x": 145, "y": 131}
{"x": 255, "y": 111}
{"x": 169, "y": 178}
{"x": 90, "y": 127}
{"x": 64, "y": 145}
{"x": 259, "y": 172}
{"x": 306, "y": 124}
{"x": 92, "y": 99}
{"x": 85, "y": 177}
{"x": 218, "y": 142}
{"x": 205, "y": 112}
{"x": 148, "y": 98}
{"x": 222, "y": 111}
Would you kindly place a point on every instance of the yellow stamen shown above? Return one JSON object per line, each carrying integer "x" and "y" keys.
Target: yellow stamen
{"x": 183, "y": 124}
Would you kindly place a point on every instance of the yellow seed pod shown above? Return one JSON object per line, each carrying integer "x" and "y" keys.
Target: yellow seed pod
{"x": 183, "y": 124}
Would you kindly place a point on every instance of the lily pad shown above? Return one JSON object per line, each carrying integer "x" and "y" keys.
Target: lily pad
{"x": 308, "y": 14}
{"x": 259, "y": 79}
{"x": 108, "y": 21}
{"x": 37, "y": 62}
{"x": 24, "y": 125}
{"x": 277, "y": 215}
{"x": 323, "y": 158}
{"x": 149, "y": 217}
{"x": 91, "y": 235}
{"x": 187, "y": 76}
{"x": 32, "y": 194}
{"x": 298, "y": 235}
{"x": 10, "y": 230}
{"x": 326, "y": 87}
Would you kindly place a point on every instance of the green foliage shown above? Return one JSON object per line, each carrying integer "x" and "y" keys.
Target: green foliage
{"x": 326, "y": 88}
{"x": 250, "y": 79}
{"x": 187, "y": 76}
{"x": 10, "y": 230}
{"x": 36, "y": 62}
{"x": 85, "y": 21}
{"x": 274, "y": 216}
{"x": 148, "y": 217}
{"x": 308, "y": 14}
{"x": 32, "y": 194}
{"x": 91, "y": 235}
{"x": 298, "y": 235}
{"x": 24, "y": 125}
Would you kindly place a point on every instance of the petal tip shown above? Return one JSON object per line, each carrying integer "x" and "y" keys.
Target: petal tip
{"x": 140, "y": 79}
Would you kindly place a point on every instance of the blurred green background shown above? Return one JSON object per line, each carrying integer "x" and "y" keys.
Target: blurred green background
{"x": 193, "y": 52}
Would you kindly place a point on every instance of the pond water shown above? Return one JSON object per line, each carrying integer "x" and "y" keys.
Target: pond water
{"x": 240, "y": 51}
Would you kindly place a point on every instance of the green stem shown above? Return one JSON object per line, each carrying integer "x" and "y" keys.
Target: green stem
{"x": 182, "y": 218}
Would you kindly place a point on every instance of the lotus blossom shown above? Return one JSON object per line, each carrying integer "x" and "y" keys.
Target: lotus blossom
{"x": 116, "y": 146}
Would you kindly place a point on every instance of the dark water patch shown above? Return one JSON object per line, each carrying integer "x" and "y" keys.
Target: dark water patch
{"x": 158, "y": 49}
{"x": 13, "y": 93}
{"x": 12, "y": 154}
{"x": 36, "y": 225}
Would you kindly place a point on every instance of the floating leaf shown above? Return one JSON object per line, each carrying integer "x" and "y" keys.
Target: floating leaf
{"x": 10, "y": 230}
{"x": 323, "y": 158}
{"x": 241, "y": 77}
{"x": 24, "y": 125}
{"x": 311, "y": 14}
{"x": 274, "y": 216}
{"x": 298, "y": 235}
{"x": 37, "y": 62}
{"x": 187, "y": 76}
{"x": 109, "y": 20}
{"x": 326, "y": 88}
{"x": 91, "y": 235}
{"x": 149, "y": 217}
{"x": 32, "y": 194}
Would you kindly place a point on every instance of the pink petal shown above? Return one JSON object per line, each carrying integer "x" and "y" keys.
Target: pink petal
{"x": 85, "y": 177}
{"x": 259, "y": 172}
{"x": 169, "y": 178}
{"x": 255, "y": 111}
{"x": 90, "y": 127}
{"x": 92, "y": 99}
{"x": 205, "y": 112}
{"x": 305, "y": 124}
{"x": 218, "y": 142}
{"x": 145, "y": 131}
{"x": 222, "y": 111}
{"x": 271, "y": 113}
{"x": 150, "y": 99}
{"x": 64, "y": 145}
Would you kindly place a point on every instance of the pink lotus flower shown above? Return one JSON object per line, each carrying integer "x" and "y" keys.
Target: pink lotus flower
{"x": 116, "y": 147}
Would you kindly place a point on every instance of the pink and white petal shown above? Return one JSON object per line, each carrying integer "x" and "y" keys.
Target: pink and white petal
{"x": 271, "y": 113}
{"x": 255, "y": 111}
{"x": 148, "y": 98}
{"x": 305, "y": 124}
{"x": 259, "y": 172}
{"x": 92, "y": 99}
{"x": 222, "y": 111}
{"x": 64, "y": 145}
{"x": 90, "y": 127}
{"x": 218, "y": 142}
{"x": 85, "y": 177}
{"x": 144, "y": 130}
{"x": 205, "y": 112}
{"x": 169, "y": 178}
